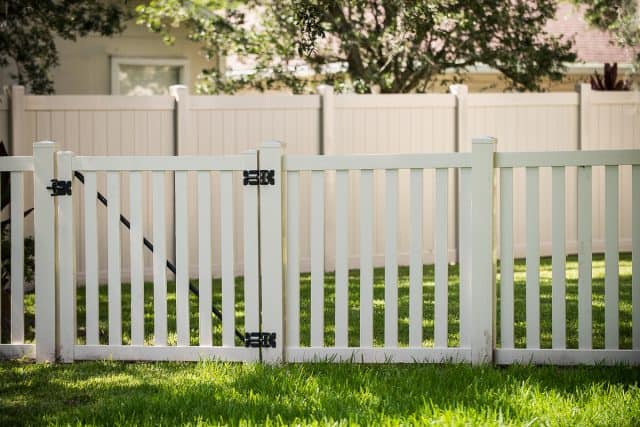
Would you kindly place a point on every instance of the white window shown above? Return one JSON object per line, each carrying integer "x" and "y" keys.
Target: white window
{"x": 147, "y": 76}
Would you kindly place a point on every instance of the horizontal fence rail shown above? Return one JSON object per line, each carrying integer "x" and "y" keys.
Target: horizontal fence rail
{"x": 359, "y": 309}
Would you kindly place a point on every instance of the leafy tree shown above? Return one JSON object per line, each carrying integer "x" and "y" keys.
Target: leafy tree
{"x": 28, "y": 28}
{"x": 385, "y": 45}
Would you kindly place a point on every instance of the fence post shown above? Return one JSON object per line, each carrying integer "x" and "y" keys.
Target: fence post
{"x": 584, "y": 98}
{"x": 45, "y": 271}
{"x": 327, "y": 130}
{"x": 460, "y": 92}
{"x": 66, "y": 290}
{"x": 482, "y": 251}
{"x": 181, "y": 95}
{"x": 16, "y": 136}
{"x": 271, "y": 249}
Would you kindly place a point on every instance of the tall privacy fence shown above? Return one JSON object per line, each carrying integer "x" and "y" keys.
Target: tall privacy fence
{"x": 334, "y": 124}
{"x": 274, "y": 313}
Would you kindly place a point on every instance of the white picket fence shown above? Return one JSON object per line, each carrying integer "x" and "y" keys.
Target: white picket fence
{"x": 270, "y": 219}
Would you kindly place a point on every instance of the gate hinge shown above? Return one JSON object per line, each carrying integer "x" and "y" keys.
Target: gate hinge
{"x": 260, "y": 339}
{"x": 259, "y": 177}
{"x": 60, "y": 188}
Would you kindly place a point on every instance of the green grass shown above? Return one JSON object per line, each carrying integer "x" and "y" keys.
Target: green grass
{"x": 403, "y": 306}
{"x": 210, "y": 393}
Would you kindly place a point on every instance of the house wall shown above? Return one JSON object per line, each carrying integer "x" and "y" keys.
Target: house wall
{"x": 339, "y": 124}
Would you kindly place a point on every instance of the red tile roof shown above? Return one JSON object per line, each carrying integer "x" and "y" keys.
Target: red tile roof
{"x": 591, "y": 45}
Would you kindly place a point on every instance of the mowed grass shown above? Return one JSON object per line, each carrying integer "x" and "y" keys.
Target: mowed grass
{"x": 571, "y": 302}
{"x": 210, "y": 393}
{"x": 215, "y": 393}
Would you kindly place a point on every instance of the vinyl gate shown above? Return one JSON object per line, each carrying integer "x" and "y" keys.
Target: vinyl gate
{"x": 286, "y": 319}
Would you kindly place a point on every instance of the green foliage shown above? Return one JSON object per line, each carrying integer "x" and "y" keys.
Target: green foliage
{"x": 28, "y": 28}
{"x": 366, "y": 45}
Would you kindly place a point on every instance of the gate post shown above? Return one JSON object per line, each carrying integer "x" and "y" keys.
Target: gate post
{"x": 483, "y": 267}
{"x": 66, "y": 290}
{"x": 271, "y": 247}
{"x": 44, "y": 221}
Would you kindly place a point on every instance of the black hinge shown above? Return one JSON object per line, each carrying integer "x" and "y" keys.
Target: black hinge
{"x": 259, "y": 177}
{"x": 260, "y": 339}
{"x": 60, "y": 188}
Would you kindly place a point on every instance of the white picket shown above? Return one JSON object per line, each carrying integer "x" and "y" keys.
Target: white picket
{"x": 533, "y": 258}
{"x": 251, "y": 249}
{"x": 635, "y": 260}
{"x": 113, "y": 259}
{"x": 204, "y": 258}
{"x": 137, "y": 264}
{"x": 464, "y": 248}
{"x": 293, "y": 259}
{"x": 91, "y": 259}
{"x": 17, "y": 257}
{"x": 226, "y": 237}
{"x": 342, "y": 260}
{"x": 506, "y": 259}
{"x": 182, "y": 259}
{"x": 611, "y": 258}
{"x": 391, "y": 260}
{"x": 558, "y": 260}
{"x": 159, "y": 261}
{"x": 366, "y": 258}
{"x": 415, "y": 267}
{"x": 584, "y": 257}
{"x": 317, "y": 258}
{"x": 441, "y": 259}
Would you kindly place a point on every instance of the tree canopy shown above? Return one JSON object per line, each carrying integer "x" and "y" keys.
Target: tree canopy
{"x": 368, "y": 45}
{"x": 28, "y": 28}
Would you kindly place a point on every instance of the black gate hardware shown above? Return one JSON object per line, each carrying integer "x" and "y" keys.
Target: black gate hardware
{"x": 260, "y": 339}
{"x": 60, "y": 188}
{"x": 259, "y": 177}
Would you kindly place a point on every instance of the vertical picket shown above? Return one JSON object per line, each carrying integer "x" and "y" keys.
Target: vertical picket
{"x": 464, "y": 248}
{"x": 137, "y": 263}
{"x": 342, "y": 259}
{"x": 226, "y": 236}
{"x": 92, "y": 308}
{"x": 506, "y": 258}
{"x": 204, "y": 258}
{"x": 558, "y": 260}
{"x": 611, "y": 258}
{"x": 317, "y": 258}
{"x": 17, "y": 258}
{"x": 584, "y": 257}
{"x": 293, "y": 259}
{"x": 415, "y": 268}
{"x": 251, "y": 249}
{"x": 391, "y": 260}
{"x": 44, "y": 232}
{"x": 182, "y": 259}
{"x": 366, "y": 258}
{"x": 441, "y": 265}
{"x": 66, "y": 265}
{"x": 533, "y": 258}
{"x": 113, "y": 259}
{"x": 635, "y": 256}
{"x": 159, "y": 261}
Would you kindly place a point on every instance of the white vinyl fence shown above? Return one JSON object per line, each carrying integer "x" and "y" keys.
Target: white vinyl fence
{"x": 331, "y": 124}
{"x": 263, "y": 315}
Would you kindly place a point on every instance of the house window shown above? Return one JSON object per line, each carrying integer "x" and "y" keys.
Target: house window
{"x": 145, "y": 76}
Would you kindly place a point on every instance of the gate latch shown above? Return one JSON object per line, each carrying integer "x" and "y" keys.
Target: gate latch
{"x": 60, "y": 188}
{"x": 259, "y": 177}
{"x": 260, "y": 339}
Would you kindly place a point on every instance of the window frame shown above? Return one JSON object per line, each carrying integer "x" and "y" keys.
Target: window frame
{"x": 116, "y": 61}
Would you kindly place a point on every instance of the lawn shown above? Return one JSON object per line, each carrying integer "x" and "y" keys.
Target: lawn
{"x": 116, "y": 393}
